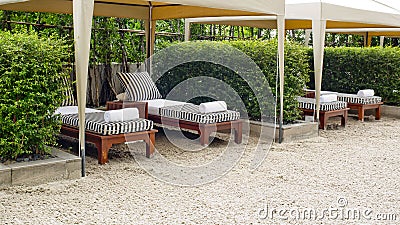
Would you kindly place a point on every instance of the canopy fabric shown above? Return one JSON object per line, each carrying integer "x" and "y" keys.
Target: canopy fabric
{"x": 149, "y": 10}
{"x": 320, "y": 15}
{"x": 139, "y": 9}
{"x": 368, "y": 12}
{"x": 269, "y": 22}
{"x": 3, "y": 2}
{"x": 387, "y": 32}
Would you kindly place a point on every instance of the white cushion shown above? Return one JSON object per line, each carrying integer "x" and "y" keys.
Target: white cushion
{"x": 211, "y": 107}
{"x": 328, "y": 98}
{"x": 122, "y": 97}
{"x": 155, "y": 105}
{"x": 366, "y": 93}
{"x": 64, "y": 110}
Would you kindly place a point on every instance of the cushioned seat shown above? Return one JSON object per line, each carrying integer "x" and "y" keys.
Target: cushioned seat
{"x": 352, "y": 98}
{"x": 104, "y": 134}
{"x": 191, "y": 112}
{"x": 95, "y": 123}
{"x": 310, "y": 103}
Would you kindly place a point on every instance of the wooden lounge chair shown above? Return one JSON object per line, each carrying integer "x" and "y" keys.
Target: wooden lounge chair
{"x": 104, "y": 134}
{"x": 139, "y": 87}
{"x": 361, "y": 104}
{"x": 355, "y": 102}
{"x": 186, "y": 116}
{"x": 327, "y": 110}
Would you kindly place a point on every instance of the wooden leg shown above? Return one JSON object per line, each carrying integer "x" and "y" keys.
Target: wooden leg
{"x": 378, "y": 113}
{"x": 238, "y": 132}
{"x": 204, "y": 135}
{"x": 323, "y": 121}
{"x": 102, "y": 152}
{"x": 150, "y": 142}
{"x": 361, "y": 113}
{"x": 344, "y": 118}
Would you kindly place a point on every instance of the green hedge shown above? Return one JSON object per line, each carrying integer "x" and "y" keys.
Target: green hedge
{"x": 30, "y": 72}
{"x": 264, "y": 54}
{"x": 348, "y": 70}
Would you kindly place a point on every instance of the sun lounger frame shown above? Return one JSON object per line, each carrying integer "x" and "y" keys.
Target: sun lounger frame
{"x": 103, "y": 143}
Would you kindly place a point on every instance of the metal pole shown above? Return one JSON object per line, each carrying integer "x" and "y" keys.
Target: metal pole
{"x": 149, "y": 37}
{"x": 281, "y": 50}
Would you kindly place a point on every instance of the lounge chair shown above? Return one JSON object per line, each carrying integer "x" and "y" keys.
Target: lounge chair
{"x": 105, "y": 134}
{"x": 140, "y": 87}
{"x": 356, "y": 102}
{"x": 327, "y": 110}
{"x": 362, "y": 103}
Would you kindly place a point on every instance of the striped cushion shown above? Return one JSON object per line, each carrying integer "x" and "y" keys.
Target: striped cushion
{"x": 351, "y": 98}
{"x": 70, "y": 99}
{"x": 139, "y": 86}
{"x": 95, "y": 123}
{"x": 309, "y": 103}
{"x": 191, "y": 113}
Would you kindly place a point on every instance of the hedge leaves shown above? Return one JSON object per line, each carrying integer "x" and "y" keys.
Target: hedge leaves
{"x": 30, "y": 91}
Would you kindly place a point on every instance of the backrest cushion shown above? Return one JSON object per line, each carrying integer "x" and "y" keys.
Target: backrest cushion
{"x": 70, "y": 99}
{"x": 139, "y": 86}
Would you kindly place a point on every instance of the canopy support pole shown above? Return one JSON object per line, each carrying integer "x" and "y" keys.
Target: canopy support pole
{"x": 82, "y": 16}
{"x": 281, "y": 51}
{"x": 369, "y": 40}
{"x": 187, "y": 30}
{"x": 150, "y": 31}
{"x": 307, "y": 37}
{"x": 382, "y": 41}
{"x": 319, "y": 30}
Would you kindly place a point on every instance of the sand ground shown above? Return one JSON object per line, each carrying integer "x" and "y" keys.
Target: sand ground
{"x": 353, "y": 169}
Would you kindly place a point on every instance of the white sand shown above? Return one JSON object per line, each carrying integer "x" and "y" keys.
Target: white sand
{"x": 359, "y": 164}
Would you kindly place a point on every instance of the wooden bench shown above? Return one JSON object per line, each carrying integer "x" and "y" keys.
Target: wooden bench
{"x": 325, "y": 115}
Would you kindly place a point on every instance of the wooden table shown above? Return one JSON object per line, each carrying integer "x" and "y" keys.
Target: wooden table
{"x": 325, "y": 115}
{"x": 141, "y": 106}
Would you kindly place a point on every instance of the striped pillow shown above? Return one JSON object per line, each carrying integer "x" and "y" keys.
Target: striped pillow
{"x": 70, "y": 99}
{"x": 139, "y": 86}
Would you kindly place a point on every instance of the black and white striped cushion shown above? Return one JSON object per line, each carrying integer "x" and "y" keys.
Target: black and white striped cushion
{"x": 95, "y": 123}
{"x": 70, "y": 99}
{"x": 309, "y": 103}
{"x": 351, "y": 98}
{"x": 191, "y": 113}
{"x": 139, "y": 86}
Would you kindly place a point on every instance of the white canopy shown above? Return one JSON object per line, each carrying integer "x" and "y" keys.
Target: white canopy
{"x": 363, "y": 12}
{"x": 150, "y": 10}
{"x": 319, "y": 15}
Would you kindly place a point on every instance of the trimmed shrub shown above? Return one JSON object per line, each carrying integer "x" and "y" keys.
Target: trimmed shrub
{"x": 30, "y": 91}
{"x": 264, "y": 55}
{"x": 348, "y": 70}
